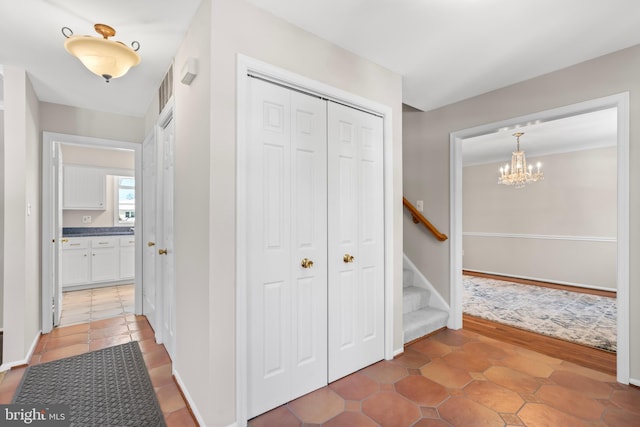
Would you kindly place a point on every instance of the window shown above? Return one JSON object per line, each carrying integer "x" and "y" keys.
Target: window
{"x": 124, "y": 200}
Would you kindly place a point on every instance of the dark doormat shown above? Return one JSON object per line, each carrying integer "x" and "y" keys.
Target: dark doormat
{"x": 107, "y": 388}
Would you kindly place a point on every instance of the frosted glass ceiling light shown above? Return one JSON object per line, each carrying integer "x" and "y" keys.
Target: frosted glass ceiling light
{"x": 106, "y": 58}
{"x": 518, "y": 174}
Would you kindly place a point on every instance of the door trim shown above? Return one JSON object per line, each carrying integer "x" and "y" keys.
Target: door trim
{"x": 246, "y": 66}
{"x": 621, "y": 102}
{"x": 49, "y": 139}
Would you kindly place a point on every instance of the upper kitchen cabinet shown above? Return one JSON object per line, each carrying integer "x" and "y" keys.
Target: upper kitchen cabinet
{"x": 84, "y": 188}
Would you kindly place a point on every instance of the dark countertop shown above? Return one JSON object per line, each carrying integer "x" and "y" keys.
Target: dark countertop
{"x": 97, "y": 231}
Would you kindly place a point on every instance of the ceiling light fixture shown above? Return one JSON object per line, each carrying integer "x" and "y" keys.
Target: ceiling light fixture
{"x": 518, "y": 174}
{"x": 106, "y": 58}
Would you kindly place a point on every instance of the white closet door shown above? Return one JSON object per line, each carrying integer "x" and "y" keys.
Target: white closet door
{"x": 286, "y": 192}
{"x": 356, "y": 240}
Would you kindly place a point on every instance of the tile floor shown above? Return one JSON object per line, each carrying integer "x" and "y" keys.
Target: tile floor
{"x": 453, "y": 378}
{"x": 95, "y": 304}
{"x": 460, "y": 378}
{"x": 81, "y": 338}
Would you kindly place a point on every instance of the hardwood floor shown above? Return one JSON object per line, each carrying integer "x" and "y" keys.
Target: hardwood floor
{"x": 593, "y": 358}
{"x": 589, "y": 291}
{"x": 589, "y": 357}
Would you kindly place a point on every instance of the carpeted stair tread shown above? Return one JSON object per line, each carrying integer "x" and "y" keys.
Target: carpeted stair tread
{"x": 422, "y": 322}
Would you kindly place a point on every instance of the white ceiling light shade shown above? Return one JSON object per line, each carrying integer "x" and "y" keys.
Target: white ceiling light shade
{"x": 106, "y": 58}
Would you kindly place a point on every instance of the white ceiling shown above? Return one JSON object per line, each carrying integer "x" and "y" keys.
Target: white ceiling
{"x": 446, "y": 50}
{"x": 31, "y": 37}
{"x": 582, "y": 132}
{"x": 450, "y": 50}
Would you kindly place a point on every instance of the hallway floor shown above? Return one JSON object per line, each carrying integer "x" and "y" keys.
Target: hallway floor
{"x": 461, "y": 378}
{"x": 77, "y": 339}
{"x": 87, "y": 305}
{"x": 453, "y": 378}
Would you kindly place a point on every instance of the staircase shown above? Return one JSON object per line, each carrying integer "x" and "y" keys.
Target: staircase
{"x": 424, "y": 311}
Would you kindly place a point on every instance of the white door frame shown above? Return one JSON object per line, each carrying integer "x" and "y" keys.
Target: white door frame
{"x": 49, "y": 243}
{"x": 246, "y": 66}
{"x": 621, "y": 102}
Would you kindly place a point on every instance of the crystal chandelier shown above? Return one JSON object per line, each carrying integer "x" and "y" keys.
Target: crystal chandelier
{"x": 519, "y": 174}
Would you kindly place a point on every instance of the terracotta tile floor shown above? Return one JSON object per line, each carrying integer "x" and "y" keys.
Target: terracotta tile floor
{"x": 87, "y": 305}
{"x": 71, "y": 340}
{"x": 461, "y": 378}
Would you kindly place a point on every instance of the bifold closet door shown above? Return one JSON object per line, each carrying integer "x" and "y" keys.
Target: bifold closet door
{"x": 287, "y": 245}
{"x": 356, "y": 240}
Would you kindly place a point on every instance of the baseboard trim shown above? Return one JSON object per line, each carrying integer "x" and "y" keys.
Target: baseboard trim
{"x": 25, "y": 361}
{"x": 634, "y": 382}
{"x": 185, "y": 393}
{"x": 398, "y": 351}
{"x": 538, "y": 279}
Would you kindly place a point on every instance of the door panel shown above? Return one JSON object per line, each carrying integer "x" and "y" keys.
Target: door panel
{"x": 166, "y": 261}
{"x": 287, "y": 222}
{"x": 356, "y": 285}
{"x": 149, "y": 248}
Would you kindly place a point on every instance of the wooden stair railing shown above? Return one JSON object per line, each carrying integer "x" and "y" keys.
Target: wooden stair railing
{"x": 419, "y": 218}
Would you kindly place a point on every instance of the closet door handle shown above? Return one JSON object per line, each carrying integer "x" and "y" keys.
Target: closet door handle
{"x": 347, "y": 258}
{"x": 306, "y": 263}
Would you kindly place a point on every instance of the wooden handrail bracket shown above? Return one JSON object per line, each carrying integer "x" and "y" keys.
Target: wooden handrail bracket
{"x": 419, "y": 218}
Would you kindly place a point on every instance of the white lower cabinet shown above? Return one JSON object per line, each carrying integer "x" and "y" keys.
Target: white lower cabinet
{"x": 127, "y": 257}
{"x": 75, "y": 262}
{"x": 95, "y": 260}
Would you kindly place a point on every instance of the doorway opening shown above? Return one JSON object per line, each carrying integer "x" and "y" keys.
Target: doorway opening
{"x": 620, "y": 259}
{"x": 91, "y": 257}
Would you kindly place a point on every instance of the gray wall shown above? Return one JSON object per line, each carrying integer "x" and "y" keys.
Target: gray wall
{"x": 561, "y": 229}
{"x": 21, "y": 215}
{"x": 426, "y": 155}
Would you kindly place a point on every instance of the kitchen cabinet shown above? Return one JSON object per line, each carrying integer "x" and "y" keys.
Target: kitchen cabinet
{"x": 87, "y": 261}
{"x": 104, "y": 259}
{"x": 84, "y": 188}
{"x": 75, "y": 263}
{"x": 127, "y": 257}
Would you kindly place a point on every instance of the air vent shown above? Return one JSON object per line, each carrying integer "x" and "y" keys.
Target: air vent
{"x": 166, "y": 89}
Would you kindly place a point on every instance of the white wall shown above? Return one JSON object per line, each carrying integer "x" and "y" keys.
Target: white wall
{"x": 561, "y": 229}
{"x": 22, "y": 195}
{"x": 206, "y": 179}
{"x": 103, "y": 158}
{"x": 1, "y": 212}
{"x": 426, "y": 155}
{"x": 79, "y": 121}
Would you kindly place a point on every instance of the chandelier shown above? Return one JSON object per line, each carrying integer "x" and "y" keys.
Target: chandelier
{"x": 519, "y": 174}
{"x": 104, "y": 57}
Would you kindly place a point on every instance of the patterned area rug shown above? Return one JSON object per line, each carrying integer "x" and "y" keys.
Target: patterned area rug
{"x": 571, "y": 316}
{"x": 105, "y": 388}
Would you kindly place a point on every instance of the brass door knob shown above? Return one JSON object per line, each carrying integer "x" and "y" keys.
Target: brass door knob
{"x": 348, "y": 258}
{"x": 162, "y": 251}
{"x": 151, "y": 244}
{"x": 306, "y": 263}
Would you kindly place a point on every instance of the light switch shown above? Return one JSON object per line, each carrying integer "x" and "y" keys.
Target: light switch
{"x": 419, "y": 205}
{"x": 86, "y": 219}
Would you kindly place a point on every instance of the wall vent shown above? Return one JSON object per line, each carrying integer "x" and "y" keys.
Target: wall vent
{"x": 166, "y": 89}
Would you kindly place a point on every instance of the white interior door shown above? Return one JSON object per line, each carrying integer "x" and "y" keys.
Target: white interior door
{"x": 287, "y": 289}
{"x": 149, "y": 248}
{"x": 57, "y": 227}
{"x": 165, "y": 252}
{"x": 356, "y": 240}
